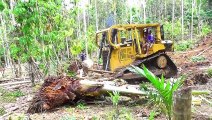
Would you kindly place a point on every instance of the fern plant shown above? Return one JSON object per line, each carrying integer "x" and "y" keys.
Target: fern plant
{"x": 165, "y": 89}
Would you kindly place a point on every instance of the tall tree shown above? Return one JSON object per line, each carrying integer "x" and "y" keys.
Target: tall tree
{"x": 173, "y": 17}
{"x": 85, "y": 29}
{"x": 182, "y": 19}
{"x": 96, "y": 16}
{"x": 144, "y": 10}
{"x": 192, "y": 19}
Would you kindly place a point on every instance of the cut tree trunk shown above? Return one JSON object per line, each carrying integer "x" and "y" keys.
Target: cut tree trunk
{"x": 182, "y": 104}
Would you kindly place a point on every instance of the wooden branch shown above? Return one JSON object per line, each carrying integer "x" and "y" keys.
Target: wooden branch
{"x": 200, "y": 92}
{"x": 5, "y": 80}
{"x": 15, "y": 83}
{"x": 204, "y": 51}
{"x": 100, "y": 71}
{"x": 203, "y": 98}
{"x": 14, "y": 87}
{"x": 103, "y": 79}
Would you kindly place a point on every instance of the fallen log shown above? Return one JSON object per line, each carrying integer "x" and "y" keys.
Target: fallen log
{"x": 12, "y": 79}
{"x": 59, "y": 90}
{"x": 201, "y": 92}
{"x": 15, "y": 83}
{"x": 204, "y": 51}
{"x": 108, "y": 86}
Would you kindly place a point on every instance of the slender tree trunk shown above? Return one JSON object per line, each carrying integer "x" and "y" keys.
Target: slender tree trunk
{"x": 144, "y": 9}
{"x": 96, "y": 16}
{"x": 173, "y": 17}
{"x": 165, "y": 9}
{"x": 155, "y": 9}
{"x": 199, "y": 18}
{"x": 85, "y": 31}
{"x": 115, "y": 14}
{"x": 19, "y": 68}
{"x": 192, "y": 20}
{"x": 12, "y": 2}
{"x": 31, "y": 71}
{"x": 130, "y": 14}
{"x": 67, "y": 47}
{"x": 158, "y": 9}
{"x": 5, "y": 41}
{"x": 182, "y": 19}
{"x": 78, "y": 19}
{"x": 210, "y": 3}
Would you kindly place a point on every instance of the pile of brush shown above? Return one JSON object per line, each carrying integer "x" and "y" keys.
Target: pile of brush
{"x": 59, "y": 90}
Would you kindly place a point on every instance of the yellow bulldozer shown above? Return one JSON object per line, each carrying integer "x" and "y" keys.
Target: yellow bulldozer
{"x": 135, "y": 44}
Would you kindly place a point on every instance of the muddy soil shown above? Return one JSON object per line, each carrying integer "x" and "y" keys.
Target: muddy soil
{"x": 192, "y": 63}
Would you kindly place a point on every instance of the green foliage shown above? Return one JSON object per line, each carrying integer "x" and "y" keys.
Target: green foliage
{"x": 94, "y": 118}
{"x": 209, "y": 72}
{"x": 115, "y": 96}
{"x": 2, "y": 111}
{"x": 184, "y": 45}
{"x": 68, "y": 117}
{"x": 81, "y": 105}
{"x": 197, "y": 58}
{"x": 206, "y": 29}
{"x": 2, "y": 6}
{"x": 124, "y": 114}
{"x": 143, "y": 87}
{"x": 176, "y": 31}
{"x": 152, "y": 115}
{"x": 10, "y": 96}
{"x": 165, "y": 89}
{"x": 76, "y": 47}
{"x": 19, "y": 116}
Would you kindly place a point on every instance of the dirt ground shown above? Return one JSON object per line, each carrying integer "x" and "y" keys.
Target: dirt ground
{"x": 192, "y": 67}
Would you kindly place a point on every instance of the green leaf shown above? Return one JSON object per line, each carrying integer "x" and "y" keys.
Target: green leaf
{"x": 164, "y": 90}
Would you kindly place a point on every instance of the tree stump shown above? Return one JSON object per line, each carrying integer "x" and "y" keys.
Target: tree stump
{"x": 182, "y": 104}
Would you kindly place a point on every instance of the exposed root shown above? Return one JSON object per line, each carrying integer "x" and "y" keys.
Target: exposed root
{"x": 58, "y": 90}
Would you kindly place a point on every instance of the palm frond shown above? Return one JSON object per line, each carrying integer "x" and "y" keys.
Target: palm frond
{"x": 164, "y": 88}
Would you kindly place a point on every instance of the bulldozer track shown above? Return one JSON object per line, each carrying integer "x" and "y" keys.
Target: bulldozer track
{"x": 121, "y": 71}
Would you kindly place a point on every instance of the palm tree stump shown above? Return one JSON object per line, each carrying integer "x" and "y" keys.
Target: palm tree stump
{"x": 182, "y": 104}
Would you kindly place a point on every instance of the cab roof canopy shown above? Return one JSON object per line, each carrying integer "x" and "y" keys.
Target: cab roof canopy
{"x": 129, "y": 26}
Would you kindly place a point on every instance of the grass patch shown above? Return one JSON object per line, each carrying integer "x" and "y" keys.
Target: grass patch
{"x": 197, "y": 58}
{"x": 123, "y": 114}
{"x": 18, "y": 116}
{"x": 10, "y": 96}
{"x": 81, "y": 105}
{"x": 2, "y": 111}
{"x": 209, "y": 72}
